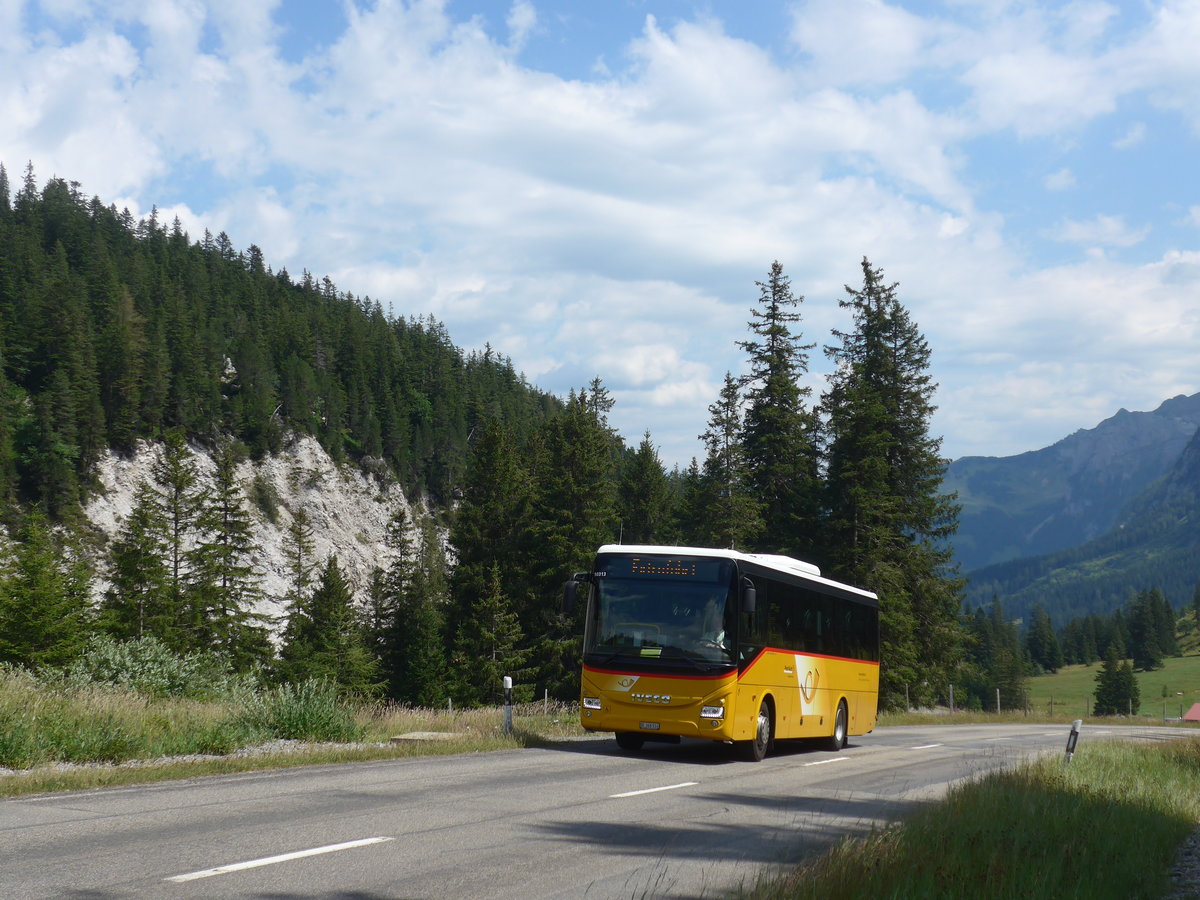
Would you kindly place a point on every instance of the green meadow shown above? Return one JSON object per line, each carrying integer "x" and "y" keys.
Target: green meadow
{"x": 1166, "y": 693}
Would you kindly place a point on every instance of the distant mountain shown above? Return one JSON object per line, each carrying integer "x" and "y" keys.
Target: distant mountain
{"x": 1154, "y": 542}
{"x": 1069, "y": 493}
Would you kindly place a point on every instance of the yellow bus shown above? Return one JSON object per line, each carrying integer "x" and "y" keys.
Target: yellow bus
{"x": 742, "y": 648}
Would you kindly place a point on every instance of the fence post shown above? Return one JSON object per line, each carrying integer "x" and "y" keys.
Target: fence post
{"x": 951, "y": 698}
{"x": 997, "y": 701}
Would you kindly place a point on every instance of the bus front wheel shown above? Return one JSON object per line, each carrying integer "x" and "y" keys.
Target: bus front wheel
{"x": 837, "y": 740}
{"x": 628, "y": 740}
{"x": 755, "y": 749}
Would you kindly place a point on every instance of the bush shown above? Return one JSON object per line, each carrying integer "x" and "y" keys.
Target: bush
{"x": 148, "y": 666}
{"x": 308, "y": 711}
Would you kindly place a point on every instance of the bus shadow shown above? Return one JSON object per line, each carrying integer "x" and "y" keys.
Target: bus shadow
{"x": 690, "y": 752}
{"x": 814, "y": 824}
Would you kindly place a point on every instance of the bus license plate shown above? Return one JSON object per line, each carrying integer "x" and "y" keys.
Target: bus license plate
{"x": 648, "y": 726}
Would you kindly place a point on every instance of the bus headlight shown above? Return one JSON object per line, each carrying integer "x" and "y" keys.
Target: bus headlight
{"x": 712, "y": 712}
{"x": 591, "y": 702}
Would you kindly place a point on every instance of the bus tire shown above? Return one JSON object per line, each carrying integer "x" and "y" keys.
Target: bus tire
{"x": 837, "y": 740}
{"x": 757, "y": 747}
{"x": 629, "y": 740}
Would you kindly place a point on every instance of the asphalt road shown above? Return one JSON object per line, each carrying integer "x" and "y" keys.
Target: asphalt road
{"x": 581, "y": 819}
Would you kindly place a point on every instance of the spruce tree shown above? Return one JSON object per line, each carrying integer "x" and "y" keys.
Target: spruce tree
{"x": 1196, "y": 609}
{"x": 407, "y": 615}
{"x": 488, "y": 647}
{"x": 779, "y": 431}
{"x": 137, "y": 603}
{"x": 1143, "y": 643}
{"x": 889, "y": 524}
{"x": 1117, "y": 692}
{"x": 493, "y": 522}
{"x": 176, "y": 479}
{"x": 45, "y": 608}
{"x": 324, "y": 639}
{"x": 1110, "y": 695}
{"x": 732, "y": 513}
{"x": 645, "y": 497}
{"x": 1041, "y": 641}
{"x": 574, "y": 511}
{"x": 419, "y": 625}
{"x": 223, "y": 585}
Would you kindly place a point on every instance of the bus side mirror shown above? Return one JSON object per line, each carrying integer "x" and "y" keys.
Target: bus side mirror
{"x": 749, "y": 596}
{"x": 571, "y": 591}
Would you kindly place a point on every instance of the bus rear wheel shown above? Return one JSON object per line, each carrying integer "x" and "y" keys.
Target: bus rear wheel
{"x": 628, "y": 740}
{"x": 755, "y": 749}
{"x": 837, "y": 740}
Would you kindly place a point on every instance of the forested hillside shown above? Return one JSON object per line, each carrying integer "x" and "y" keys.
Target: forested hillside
{"x": 113, "y": 331}
{"x": 133, "y": 337}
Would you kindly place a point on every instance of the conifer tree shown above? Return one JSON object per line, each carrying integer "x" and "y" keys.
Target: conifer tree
{"x": 223, "y": 586}
{"x": 45, "y": 608}
{"x": 298, "y": 547}
{"x": 778, "y": 439}
{"x": 1117, "y": 691}
{"x": 1041, "y": 641}
{"x": 176, "y": 479}
{"x": 888, "y": 524}
{"x": 324, "y": 639}
{"x": 138, "y": 603}
{"x": 407, "y": 615}
{"x": 1165, "y": 618}
{"x": 1196, "y": 608}
{"x": 732, "y": 512}
{"x": 645, "y": 497}
{"x": 488, "y": 646}
{"x": 1143, "y": 643}
{"x": 419, "y": 623}
{"x": 573, "y": 512}
{"x": 492, "y": 524}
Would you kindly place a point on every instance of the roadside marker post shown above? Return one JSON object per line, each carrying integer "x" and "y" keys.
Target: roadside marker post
{"x": 1073, "y": 738}
{"x": 508, "y": 704}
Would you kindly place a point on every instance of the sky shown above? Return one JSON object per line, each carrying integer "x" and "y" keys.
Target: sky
{"x": 594, "y": 187}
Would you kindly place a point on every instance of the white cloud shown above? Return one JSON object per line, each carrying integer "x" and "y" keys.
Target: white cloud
{"x": 1061, "y": 180}
{"x": 859, "y": 41}
{"x": 1102, "y": 231}
{"x": 616, "y": 227}
{"x": 1132, "y": 137}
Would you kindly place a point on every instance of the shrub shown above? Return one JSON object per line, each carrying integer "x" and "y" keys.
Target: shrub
{"x": 308, "y": 711}
{"x": 148, "y": 666}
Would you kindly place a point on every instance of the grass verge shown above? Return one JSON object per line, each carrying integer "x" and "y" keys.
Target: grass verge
{"x": 74, "y": 738}
{"x": 1106, "y": 826}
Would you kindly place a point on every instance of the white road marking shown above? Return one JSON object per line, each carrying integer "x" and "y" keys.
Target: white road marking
{"x": 271, "y": 860}
{"x": 926, "y": 747}
{"x": 669, "y": 787}
{"x": 822, "y": 762}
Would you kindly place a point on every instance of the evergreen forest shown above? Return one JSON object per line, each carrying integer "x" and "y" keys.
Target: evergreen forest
{"x": 117, "y": 333}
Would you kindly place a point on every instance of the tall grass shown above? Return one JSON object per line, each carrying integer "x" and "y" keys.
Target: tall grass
{"x": 73, "y": 719}
{"x": 1106, "y": 826}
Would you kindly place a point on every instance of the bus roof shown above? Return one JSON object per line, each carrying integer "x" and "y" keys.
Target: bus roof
{"x": 768, "y": 560}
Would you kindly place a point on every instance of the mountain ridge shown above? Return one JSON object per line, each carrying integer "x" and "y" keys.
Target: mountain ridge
{"x": 1068, "y": 493}
{"x": 1154, "y": 542}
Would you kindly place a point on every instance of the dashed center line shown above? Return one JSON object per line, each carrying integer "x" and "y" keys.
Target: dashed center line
{"x": 821, "y": 762}
{"x": 271, "y": 860}
{"x": 926, "y": 747}
{"x": 669, "y": 787}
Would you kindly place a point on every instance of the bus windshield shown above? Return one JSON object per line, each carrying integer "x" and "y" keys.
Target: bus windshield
{"x": 658, "y": 607}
